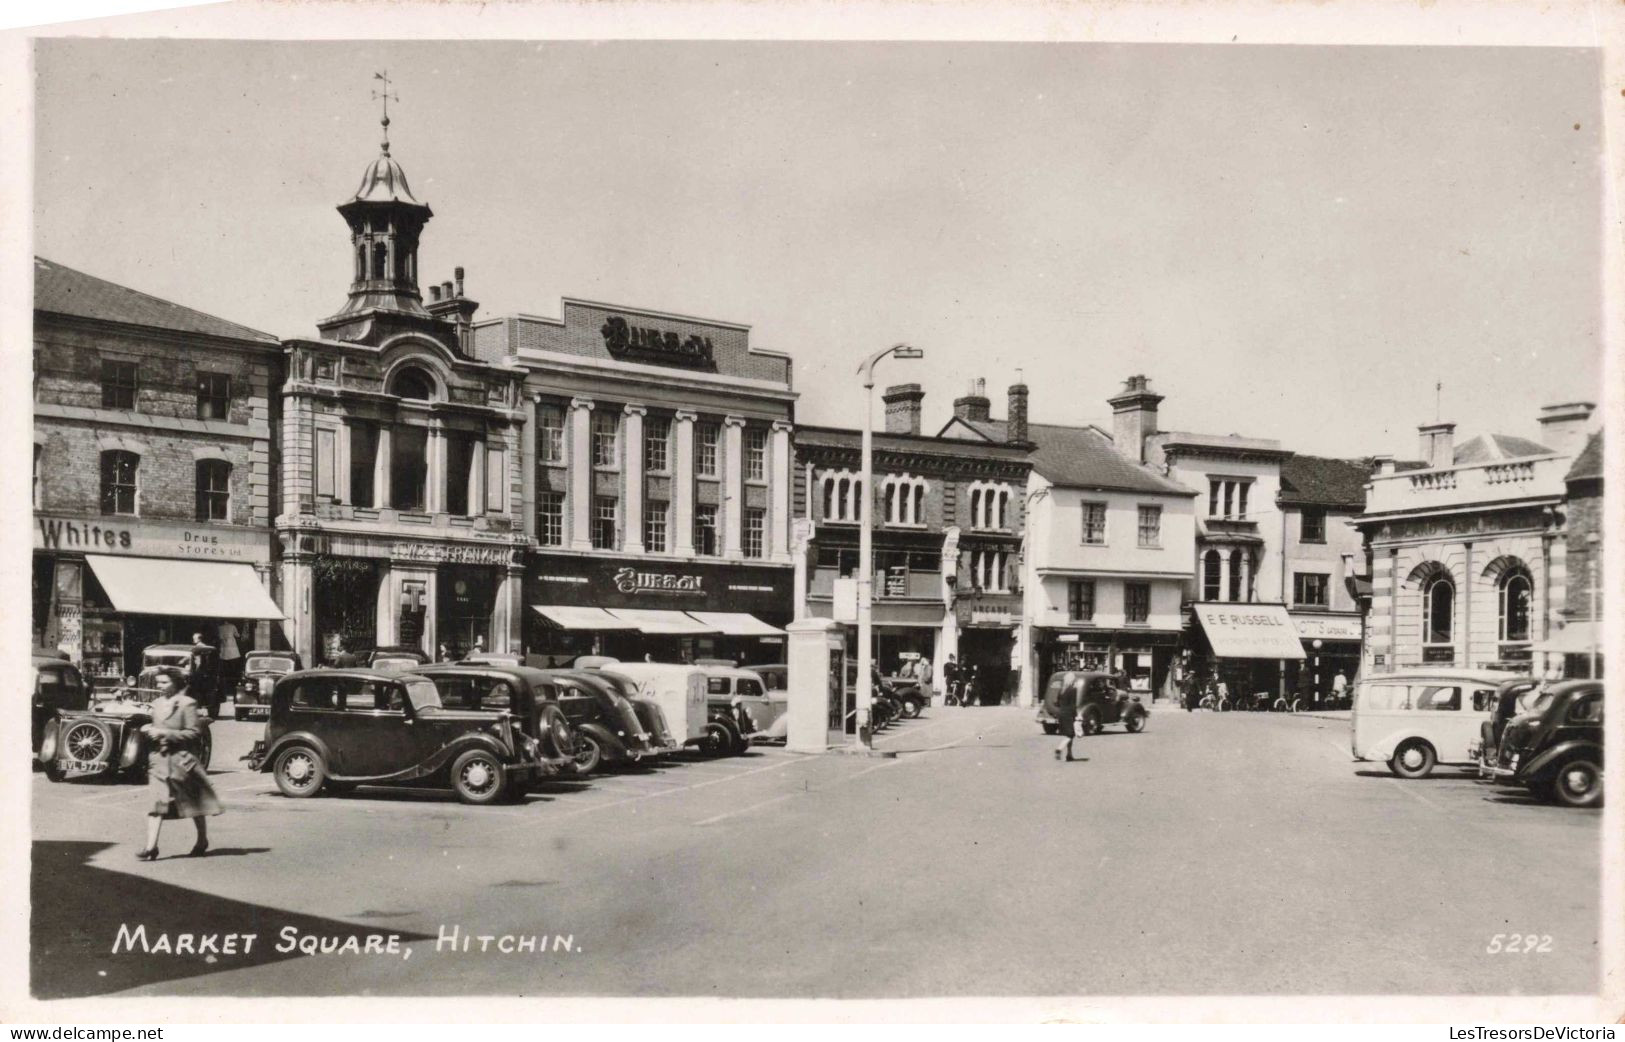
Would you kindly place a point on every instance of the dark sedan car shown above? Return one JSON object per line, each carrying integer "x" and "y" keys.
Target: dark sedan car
{"x": 650, "y": 716}
{"x": 1555, "y": 749}
{"x": 339, "y": 728}
{"x": 607, "y": 726}
{"x": 527, "y": 693}
{"x": 261, "y": 671}
{"x": 1100, "y": 701}
{"x": 1512, "y": 698}
{"x": 58, "y": 687}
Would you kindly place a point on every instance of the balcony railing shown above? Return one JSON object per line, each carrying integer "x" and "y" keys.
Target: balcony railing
{"x": 1472, "y": 483}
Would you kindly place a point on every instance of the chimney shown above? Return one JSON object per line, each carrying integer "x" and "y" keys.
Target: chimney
{"x": 1134, "y": 416}
{"x": 1563, "y": 426}
{"x": 903, "y": 408}
{"x": 447, "y": 303}
{"x": 974, "y": 407}
{"x": 434, "y": 294}
{"x": 458, "y": 272}
{"x": 1016, "y": 424}
{"x": 1437, "y": 444}
{"x": 1381, "y": 465}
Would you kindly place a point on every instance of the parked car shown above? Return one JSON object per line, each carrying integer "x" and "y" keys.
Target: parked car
{"x": 201, "y": 679}
{"x": 682, "y": 692}
{"x": 1512, "y": 698}
{"x": 775, "y": 677}
{"x": 58, "y": 687}
{"x": 1555, "y": 749}
{"x": 740, "y": 694}
{"x": 399, "y": 658}
{"x": 105, "y": 738}
{"x": 1101, "y": 701}
{"x": 529, "y": 694}
{"x": 651, "y": 718}
{"x": 496, "y": 658}
{"x": 261, "y": 671}
{"x": 338, "y": 728}
{"x": 1417, "y": 719}
{"x": 606, "y": 725}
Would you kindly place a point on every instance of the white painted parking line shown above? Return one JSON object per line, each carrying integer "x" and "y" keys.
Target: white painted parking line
{"x": 804, "y": 792}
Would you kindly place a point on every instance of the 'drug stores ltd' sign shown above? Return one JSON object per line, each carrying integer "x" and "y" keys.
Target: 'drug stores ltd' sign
{"x": 150, "y": 539}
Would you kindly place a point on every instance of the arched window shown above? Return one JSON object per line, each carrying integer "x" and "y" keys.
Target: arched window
{"x": 1236, "y": 593}
{"x": 361, "y": 262}
{"x": 1004, "y": 509}
{"x": 891, "y": 503}
{"x": 1210, "y": 575}
{"x": 380, "y": 261}
{"x": 829, "y": 499}
{"x": 919, "y": 504}
{"x": 1516, "y": 592}
{"x": 976, "y": 508}
{"x": 119, "y": 473}
{"x": 213, "y": 490}
{"x": 412, "y": 382}
{"x": 1439, "y": 611}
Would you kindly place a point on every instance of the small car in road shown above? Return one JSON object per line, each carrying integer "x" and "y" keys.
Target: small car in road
{"x": 261, "y": 671}
{"x": 1100, "y": 702}
{"x": 606, "y": 725}
{"x": 1415, "y": 720}
{"x": 1512, "y": 698}
{"x": 1555, "y": 749}
{"x": 338, "y": 728}
{"x": 105, "y": 737}
{"x": 58, "y": 687}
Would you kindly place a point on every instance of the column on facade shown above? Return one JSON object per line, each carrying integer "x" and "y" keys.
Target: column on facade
{"x": 632, "y": 468}
{"x": 1467, "y": 607}
{"x": 382, "y": 463}
{"x": 477, "y": 479}
{"x": 1247, "y": 575}
{"x": 733, "y": 485}
{"x": 778, "y": 547}
{"x": 527, "y": 467}
{"x": 1224, "y": 574}
{"x": 507, "y": 618}
{"x": 581, "y": 474}
{"x": 299, "y": 604}
{"x": 682, "y": 484}
{"x": 341, "y": 478}
{"x": 434, "y": 493}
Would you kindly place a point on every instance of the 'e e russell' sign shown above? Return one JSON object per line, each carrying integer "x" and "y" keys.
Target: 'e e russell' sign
{"x": 630, "y": 580}
{"x": 637, "y": 343}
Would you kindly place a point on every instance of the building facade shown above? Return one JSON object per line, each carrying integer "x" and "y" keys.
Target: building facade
{"x": 657, "y": 483}
{"x": 1577, "y": 645}
{"x": 400, "y": 518}
{"x": 1321, "y": 552}
{"x": 154, "y": 473}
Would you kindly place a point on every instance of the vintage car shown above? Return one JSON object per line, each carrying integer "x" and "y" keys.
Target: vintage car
{"x": 606, "y": 725}
{"x": 261, "y": 671}
{"x": 1512, "y": 698}
{"x": 1100, "y": 702}
{"x": 1555, "y": 749}
{"x": 339, "y": 728}
{"x": 201, "y": 679}
{"x": 651, "y": 717}
{"x": 529, "y": 694}
{"x": 1419, "y": 718}
{"x": 682, "y": 693}
{"x": 106, "y": 738}
{"x": 58, "y": 687}
{"x": 396, "y": 658}
{"x": 739, "y": 694}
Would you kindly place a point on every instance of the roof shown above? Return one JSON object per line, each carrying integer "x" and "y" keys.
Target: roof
{"x": 64, "y": 291}
{"x": 1588, "y": 464}
{"x": 1083, "y": 457}
{"x": 844, "y": 437}
{"x": 384, "y": 182}
{"x": 1487, "y": 448}
{"x": 1324, "y": 481}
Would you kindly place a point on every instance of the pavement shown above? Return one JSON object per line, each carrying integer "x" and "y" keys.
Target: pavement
{"x": 1235, "y": 853}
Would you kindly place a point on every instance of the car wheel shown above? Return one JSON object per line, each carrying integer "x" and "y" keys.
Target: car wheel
{"x": 130, "y": 757}
{"x": 87, "y": 742}
{"x": 1413, "y": 759}
{"x": 912, "y": 708}
{"x": 50, "y": 738}
{"x": 1223, "y": 705}
{"x": 737, "y": 742}
{"x": 478, "y": 777}
{"x": 588, "y": 754}
{"x": 1135, "y": 722}
{"x": 299, "y": 772}
{"x": 1052, "y": 728}
{"x": 1089, "y": 721}
{"x": 1578, "y": 783}
{"x": 717, "y": 740}
{"x": 558, "y": 731}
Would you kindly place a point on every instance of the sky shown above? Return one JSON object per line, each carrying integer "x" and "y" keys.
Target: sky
{"x": 1292, "y": 242}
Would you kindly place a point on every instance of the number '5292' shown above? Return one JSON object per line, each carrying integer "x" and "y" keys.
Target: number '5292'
{"x": 1519, "y": 944}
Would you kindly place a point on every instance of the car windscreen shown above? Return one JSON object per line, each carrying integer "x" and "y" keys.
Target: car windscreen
{"x": 269, "y": 664}
{"x": 423, "y": 693}
{"x": 396, "y": 665}
{"x": 752, "y": 688}
{"x": 1541, "y": 701}
{"x": 166, "y": 658}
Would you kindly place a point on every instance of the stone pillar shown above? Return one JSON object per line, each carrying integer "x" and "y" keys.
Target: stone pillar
{"x": 262, "y": 627}
{"x": 381, "y": 467}
{"x": 1467, "y": 609}
{"x": 299, "y": 605}
{"x": 341, "y": 479}
{"x": 1224, "y": 575}
{"x": 434, "y": 492}
{"x": 477, "y": 479}
{"x": 800, "y": 549}
{"x": 682, "y": 485}
{"x": 1247, "y": 576}
{"x": 778, "y": 525}
{"x": 507, "y": 616}
{"x": 388, "y": 605}
{"x": 581, "y": 474}
{"x": 632, "y": 467}
{"x": 810, "y": 646}
{"x": 948, "y": 638}
{"x": 733, "y": 485}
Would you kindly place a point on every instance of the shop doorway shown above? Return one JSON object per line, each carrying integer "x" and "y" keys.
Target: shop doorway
{"x": 985, "y": 655}
{"x": 346, "y": 594}
{"x": 467, "y": 595}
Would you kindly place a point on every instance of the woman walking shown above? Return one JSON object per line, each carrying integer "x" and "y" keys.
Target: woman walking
{"x": 176, "y": 779}
{"x": 1066, "y": 716}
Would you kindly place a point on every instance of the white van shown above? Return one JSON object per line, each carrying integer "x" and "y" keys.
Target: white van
{"x": 680, "y": 691}
{"x": 1419, "y": 718}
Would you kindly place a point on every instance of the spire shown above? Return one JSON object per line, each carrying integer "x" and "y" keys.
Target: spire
{"x": 385, "y": 96}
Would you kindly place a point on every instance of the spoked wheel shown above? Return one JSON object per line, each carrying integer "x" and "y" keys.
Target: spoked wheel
{"x": 1577, "y": 783}
{"x": 299, "y": 772}
{"x": 1413, "y": 759}
{"x": 86, "y": 742}
{"x": 478, "y": 777}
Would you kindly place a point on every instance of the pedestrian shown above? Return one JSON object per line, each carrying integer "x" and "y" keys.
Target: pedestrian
{"x": 1066, "y": 715}
{"x": 231, "y": 656}
{"x": 345, "y": 658}
{"x": 203, "y": 682}
{"x": 950, "y": 681}
{"x": 922, "y": 670}
{"x": 973, "y": 690}
{"x": 176, "y": 779}
{"x": 1340, "y": 687}
{"x": 1189, "y": 689}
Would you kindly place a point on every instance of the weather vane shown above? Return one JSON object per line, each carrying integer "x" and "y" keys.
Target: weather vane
{"x": 385, "y": 96}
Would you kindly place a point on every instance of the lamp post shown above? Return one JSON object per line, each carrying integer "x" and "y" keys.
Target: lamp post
{"x": 866, "y": 550}
{"x": 1592, "y": 541}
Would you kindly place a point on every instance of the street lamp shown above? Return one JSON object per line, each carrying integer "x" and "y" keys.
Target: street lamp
{"x": 866, "y": 550}
{"x": 1592, "y": 540}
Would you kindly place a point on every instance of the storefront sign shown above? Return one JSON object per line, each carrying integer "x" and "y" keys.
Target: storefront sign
{"x": 630, "y": 580}
{"x": 1472, "y": 524}
{"x": 620, "y": 582}
{"x": 1249, "y": 631}
{"x": 150, "y": 539}
{"x": 990, "y": 617}
{"x": 450, "y": 553}
{"x": 1326, "y": 627}
{"x": 663, "y": 347}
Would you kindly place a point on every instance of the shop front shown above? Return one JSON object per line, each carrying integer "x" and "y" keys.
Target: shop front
{"x": 988, "y": 649}
{"x": 1144, "y": 657}
{"x": 664, "y": 611}
{"x": 105, "y": 589}
{"x": 1245, "y": 647}
{"x": 1331, "y": 645}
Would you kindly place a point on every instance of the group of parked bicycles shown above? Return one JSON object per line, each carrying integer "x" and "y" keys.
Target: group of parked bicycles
{"x": 1217, "y": 697}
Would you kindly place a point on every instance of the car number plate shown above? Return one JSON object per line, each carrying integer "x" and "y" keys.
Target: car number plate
{"x": 73, "y": 767}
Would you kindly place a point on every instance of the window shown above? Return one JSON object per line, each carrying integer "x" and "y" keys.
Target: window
{"x": 755, "y": 531}
{"x": 1212, "y": 576}
{"x": 705, "y": 436}
{"x": 655, "y": 515}
{"x": 363, "y": 461}
{"x": 1439, "y": 609}
{"x": 1094, "y": 524}
{"x": 988, "y": 570}
{"x": 840, "y": 496}
{"x": 657, "y": 443}
{"x": 408, "y": 467}
{"x": 902, "y": 500}
{"x": 118, "y": 384}
{"x": 705, "y": 531}
{"x": 213, "y": 490}
{"x": 1241, "y": 498}
{"x": 989, "y": 506}
{"x": 1312, "y": 526}
{"x": 604, "y": 529}
{"x": 1151, "y": 526}
{"x": 326, "y": 463}
{"x": 1311, "y": 588}
{"x": 1439, "y": 698}
{"x": 605, "y": 436}
{"x": 39, "y": 450}
{"x": 1385, "y": 696}
{"x": 550, "y": 518}
{"x": 119, "y": 470}
{"x": 1515, "y": 594}
{"x": 1080, "y": 600}
{"x": 412, "y": 382}
{"x": 1237, "y": 593}
{"x": 1137, "y": 602}
{"x": 213, "y": 396}
{"x": 550, "y": 434}
{"x": 460, "y": 451}
{"x": 755, "y": 454}
{"x": 1227, "y": 498}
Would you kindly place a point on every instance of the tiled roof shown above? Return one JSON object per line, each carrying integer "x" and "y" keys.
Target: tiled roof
{"x": 65, "y": 291}
{"x": 1322, "y": 481}
{"x": 1504, "y": 446}
{"x": 1083, "y": 457}
{"x": 1588, "y": 464}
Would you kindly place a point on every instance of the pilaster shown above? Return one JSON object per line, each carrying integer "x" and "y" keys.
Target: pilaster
{"x": 580, "y": 449}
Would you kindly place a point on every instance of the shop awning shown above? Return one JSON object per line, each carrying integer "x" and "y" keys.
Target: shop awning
{"x": 202, "y": 589}
{"x": 574, "y": 618}
{"x": 1250, "y": 630}
{"x": 1573, "y": 639}
{"x": 736, "y": 624}
{"x": 650, "y": 620}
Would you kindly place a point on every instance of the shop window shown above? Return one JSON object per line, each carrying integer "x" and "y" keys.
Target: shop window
{"x": 1137, "y": 602}
{"x": 363, "y": 462}
{"x": 705, "y": 439}
{"x": 1439, "y": 609}
{"x": 705, "y": 531}
{"x": 213, "y": 396}
{"x": 550, "y": 518}
{"x": 1312, "y": 526}
{"x": 755, "y": 454}
{"x": 657, "y": 444}
{"x": 213, "y": 490}
{"x": 118, "y": 384}
{"x": 754, "y": 531}
{"x": 459, "y": 474}
{"x": 605, "y": 531}
{"x": 1080, "y": 600}
{"x": 1212, "y": 576}
{"x": 119, "y": 475}
{"x": 412, "y": 382}
{"x": 1150, "y": 526}
{"x": 656, "y": 514}
{"x": 409, "y": 468}
{"x": 1094, "y": 524}
{"x": 550, "y": 434}
{"x": 605, "y": 440}
{"x": 1515, "y": 592}
{"x": 1311, "y": 589}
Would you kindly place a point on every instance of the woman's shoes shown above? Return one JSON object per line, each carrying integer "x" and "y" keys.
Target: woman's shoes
{"x": 147, "y": 854}
{"x": 199, "y": 849}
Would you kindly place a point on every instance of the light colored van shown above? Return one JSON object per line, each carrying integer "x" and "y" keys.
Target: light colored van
{"x": 680, "y": 691}
{"x": 1419, "y": 718}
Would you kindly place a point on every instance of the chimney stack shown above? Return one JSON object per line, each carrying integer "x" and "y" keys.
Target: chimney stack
{"x": 1016, "y": 424}
{"x": 1134, "y": 416}
{"x": 1563, "y": 426}
{"x": 434, "y": 294}
{"x": 1437, "y": 444}
{"x": 903, "y": 408}
{"x": 1383, "y": 464}
{"x": 458, "y": 272}
{"x": 974, "y": 406}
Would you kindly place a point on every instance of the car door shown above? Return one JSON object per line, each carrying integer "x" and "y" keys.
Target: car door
{"x": 1443, "y": 716}
{"x": 378, "y": 739}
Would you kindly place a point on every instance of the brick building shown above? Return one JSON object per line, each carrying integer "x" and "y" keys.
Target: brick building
{"x": 1572, "y": 646}
{"x": 154, "y": 472}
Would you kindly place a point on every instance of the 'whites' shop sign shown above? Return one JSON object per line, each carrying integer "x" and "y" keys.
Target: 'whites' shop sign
{"x": 149, "y": 539}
